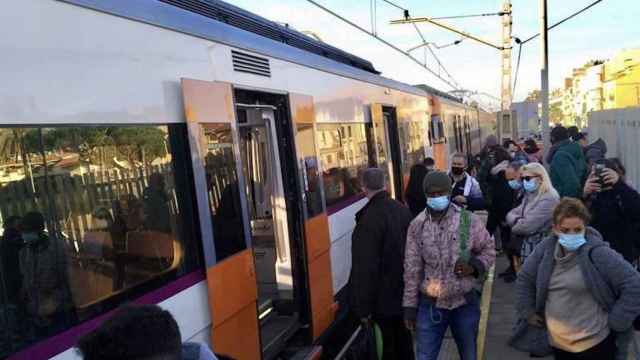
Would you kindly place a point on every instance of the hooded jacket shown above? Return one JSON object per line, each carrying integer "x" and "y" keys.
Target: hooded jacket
{"x": 568, "y": 169}
{"x": 612, "y": 281}
{"x": 616, "y": 215}
{"x": 596, "y": 151}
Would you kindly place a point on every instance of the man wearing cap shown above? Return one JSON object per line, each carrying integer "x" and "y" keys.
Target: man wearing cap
{"x": 377, "y": 254}
{"x": 448, "y": 250}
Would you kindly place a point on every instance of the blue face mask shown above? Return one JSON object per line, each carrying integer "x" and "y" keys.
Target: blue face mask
{"x": 438, "y": 203}
{"x": 571, "y": 242}
{"x": 515, "y": 184}
{"x": 530, "y": 186}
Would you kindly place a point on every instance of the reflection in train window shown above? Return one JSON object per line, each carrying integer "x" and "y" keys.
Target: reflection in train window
{"x": 343, "y": 157}
{"x": 305, "y": 145}
{"x": 90, "y": 215}
{"x": 437, "y": 129}
{"x": 412, "y": 140}
{"x": 223, "y": 191}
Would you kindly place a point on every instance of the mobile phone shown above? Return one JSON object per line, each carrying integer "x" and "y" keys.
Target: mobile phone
{"x": 599, "y": 168}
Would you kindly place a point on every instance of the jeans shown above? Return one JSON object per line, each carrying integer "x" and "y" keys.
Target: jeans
{"x": 432, "y": 323}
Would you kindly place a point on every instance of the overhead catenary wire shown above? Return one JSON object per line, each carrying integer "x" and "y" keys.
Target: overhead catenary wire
{"x": 564, "y": 20}
{"x": 522, "y": 42}
{"x": 394, "y": 47}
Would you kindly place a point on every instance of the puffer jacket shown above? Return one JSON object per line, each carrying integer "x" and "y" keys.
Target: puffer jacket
{"x": 612, "y": 281}
{"x": 568, "y": 169}
{"x": 531, "y": 220}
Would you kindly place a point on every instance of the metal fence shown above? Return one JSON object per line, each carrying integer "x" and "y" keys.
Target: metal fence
{"x": 620, "y": 129}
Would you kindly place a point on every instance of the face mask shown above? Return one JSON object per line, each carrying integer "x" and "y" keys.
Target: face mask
{"x": 530, "y": 186}
{"x": 457, "y": 170}
{"x": 515, "y": 184}
{"x": 571, "y": 242}
{"x": 438, "y": 203}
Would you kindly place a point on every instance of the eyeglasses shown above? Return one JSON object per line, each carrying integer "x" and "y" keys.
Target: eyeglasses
{"x": 528, "y": 178}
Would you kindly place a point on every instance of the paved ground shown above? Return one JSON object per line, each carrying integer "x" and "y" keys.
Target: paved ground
{"x": 502, "y": 316}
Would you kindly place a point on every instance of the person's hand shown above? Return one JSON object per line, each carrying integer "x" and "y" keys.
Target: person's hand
{"x": 410, "y": 324}
{"x": 610, "y": 176}
{"x": 460, "y": 200}
{"x": 365, "y": 320}
{"x": 536, "y": 320}
{"x": 463, "y": 269}
{"x": 592, "y": 185}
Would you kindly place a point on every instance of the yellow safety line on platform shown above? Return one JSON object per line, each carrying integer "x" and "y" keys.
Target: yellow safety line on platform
{"x": 485, "y": 308}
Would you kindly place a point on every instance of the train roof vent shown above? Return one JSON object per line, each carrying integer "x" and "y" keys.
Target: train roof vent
{"x": 251, "y": 64}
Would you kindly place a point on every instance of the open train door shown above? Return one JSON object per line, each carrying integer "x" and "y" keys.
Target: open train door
{"x": 231, "y": 276}
{"x": 316, "y": 221}
{"x": 384, "y": 122}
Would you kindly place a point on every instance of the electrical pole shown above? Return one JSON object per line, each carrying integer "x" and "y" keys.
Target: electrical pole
{"x": 506, "y": 93}
{"x": 544, "y": 76}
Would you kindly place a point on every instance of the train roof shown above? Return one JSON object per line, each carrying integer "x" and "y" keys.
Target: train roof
{"x": 442, "y": 94}
{"x": 245, "y": 20}
{"x": 227, "y": 24}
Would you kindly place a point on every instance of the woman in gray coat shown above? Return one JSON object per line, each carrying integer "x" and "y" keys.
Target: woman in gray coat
{"x": 581, "y": 290}
{"x": 530, "y": 222}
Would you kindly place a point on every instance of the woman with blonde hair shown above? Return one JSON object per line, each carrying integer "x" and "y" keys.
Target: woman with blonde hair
{"x": 530, "y": 222}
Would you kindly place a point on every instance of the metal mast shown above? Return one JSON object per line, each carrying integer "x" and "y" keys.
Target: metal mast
{"x": 506, "y": 92}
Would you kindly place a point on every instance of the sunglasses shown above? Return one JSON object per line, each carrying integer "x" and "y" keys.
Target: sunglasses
{"x": 528, "y": 178}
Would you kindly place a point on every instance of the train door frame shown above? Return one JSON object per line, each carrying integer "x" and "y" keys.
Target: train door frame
{"x": 385, "y": 118}
{"x": 291, "y": 190}
{"x": 231, "y": 281}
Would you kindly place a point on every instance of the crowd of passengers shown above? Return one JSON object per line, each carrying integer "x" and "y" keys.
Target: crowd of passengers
{"x": 571, "y": 236}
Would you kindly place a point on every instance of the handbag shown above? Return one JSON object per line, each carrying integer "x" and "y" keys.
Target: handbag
{"x": 530, "y": 339}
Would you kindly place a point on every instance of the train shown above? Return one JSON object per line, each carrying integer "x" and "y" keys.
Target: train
{"x": 190, "y": 154}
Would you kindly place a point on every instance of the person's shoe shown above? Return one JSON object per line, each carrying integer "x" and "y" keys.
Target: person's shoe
{"x": 506, "y": 272}
{"x": 510, "y": 278}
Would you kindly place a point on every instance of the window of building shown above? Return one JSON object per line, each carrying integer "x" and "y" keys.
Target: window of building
{"x": 341, "y": 178}
{"x": 92, "y": 217}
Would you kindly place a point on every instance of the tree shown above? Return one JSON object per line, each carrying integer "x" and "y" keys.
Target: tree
{"x": 555, "y": 113}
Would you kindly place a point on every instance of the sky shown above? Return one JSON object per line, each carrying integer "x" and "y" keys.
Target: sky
{"x": 598, "y": 33}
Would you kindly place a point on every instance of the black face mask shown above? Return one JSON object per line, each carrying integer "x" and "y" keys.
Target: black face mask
{"x": 457, "y": 171}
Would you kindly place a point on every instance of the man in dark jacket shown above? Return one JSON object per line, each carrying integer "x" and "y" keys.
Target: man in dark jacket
{"x": 568, "y": 166}
{"x": 616, "y": 211}
{"x": 377, "y": 253}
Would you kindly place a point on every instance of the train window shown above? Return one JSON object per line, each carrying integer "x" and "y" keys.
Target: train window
{"x": 412, "y": 140}
{"x": 340, "y": 175}
{"x": 437, "y": 129}
{"x": 223, "y": 191}
{"x": 310, "y": 170}
{"x": 92, "y": 217}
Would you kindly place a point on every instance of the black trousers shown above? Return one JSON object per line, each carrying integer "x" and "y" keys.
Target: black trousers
{"x": 397, "y": 340}
{"x": 605, "y": 350}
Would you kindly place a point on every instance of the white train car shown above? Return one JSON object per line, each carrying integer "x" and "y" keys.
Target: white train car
{"x": 192, "y": 155}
